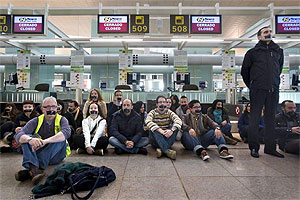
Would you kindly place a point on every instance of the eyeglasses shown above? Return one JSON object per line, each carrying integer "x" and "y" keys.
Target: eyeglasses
{"x": 48, "y": 107}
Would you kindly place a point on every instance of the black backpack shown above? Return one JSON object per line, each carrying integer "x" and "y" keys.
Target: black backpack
{"x": 90, "y": 179}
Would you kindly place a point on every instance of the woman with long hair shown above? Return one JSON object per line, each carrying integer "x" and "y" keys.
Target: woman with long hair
{"x": 94, "y": 139}
{"x": 243, "y": 125}
{"x": 9, "y": 113}
{"x": 95, "y": 96}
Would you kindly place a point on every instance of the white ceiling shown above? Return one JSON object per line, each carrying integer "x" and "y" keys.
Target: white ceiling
{"x": 234, "y": 24}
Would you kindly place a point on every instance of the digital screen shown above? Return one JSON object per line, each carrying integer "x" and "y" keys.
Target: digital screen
{"x": 179, "y": 24}
{"x": 5, "y": 24}
{"x": 287, "y": 24}
{"x": 206, "y": 24}
{"x": 113, "y": 23}
{"x": 28, "y": 24}
{"x": 139, "y": 23}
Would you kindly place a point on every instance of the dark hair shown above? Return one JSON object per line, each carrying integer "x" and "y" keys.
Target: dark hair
{"x": 117, "y": 92}
{"x": 193, "y": 102}
{"x": 61, "y": 102}
{"x": 283, "y": 103}
{"x": 99, "y": 110}
{"x": 245, "y": 110}
{"x": 175, "y": 97}
{"x": 137, "y": 106}
{"x": 128, "y": 99}
{"x": 259, "y": 31}
{"x": 214, "y": 104}
{"x": 183, "y": 97}
{"x": 28, "y": 102}
{"x": 14, "y": 111}
{"x": 160, "y": 96}
{"x": 75, "y": 103}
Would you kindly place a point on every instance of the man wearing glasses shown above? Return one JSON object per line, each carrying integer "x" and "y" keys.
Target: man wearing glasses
{"x": 164, "y": 125}
{"x": 43, "y": 142}
{"x": 261, "y": 71}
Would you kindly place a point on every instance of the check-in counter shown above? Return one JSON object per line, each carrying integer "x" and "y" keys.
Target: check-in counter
{"x": 20, "y": 96}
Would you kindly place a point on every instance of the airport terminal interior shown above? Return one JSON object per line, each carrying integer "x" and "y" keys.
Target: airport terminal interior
{"x": 147, "y": 48}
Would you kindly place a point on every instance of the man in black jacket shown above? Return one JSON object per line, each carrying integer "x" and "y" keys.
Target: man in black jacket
{"x": 127, "y": 130}
{"x": 288, "y": 128}
{"x": 261, "y": 70}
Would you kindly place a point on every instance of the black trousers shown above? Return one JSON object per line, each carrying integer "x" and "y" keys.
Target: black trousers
{"x": 258, "y": 100}
{"x": 78, "y": 141}
{"x": 7, "y": 127}
{"x": 244, "y": 132}
{"x": 293, "y": 146}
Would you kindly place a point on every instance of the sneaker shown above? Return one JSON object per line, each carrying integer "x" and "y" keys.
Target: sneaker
{"x": 142, "y": 151}
{"x": 225, "y": 155}
{"x": 204, "y": 155}
{"x": 99, "y": 152}
{"x": 171, "y": 154}
{"x": 22, "y": 175}
{"x": 158, "y": 153}
{"x": 80, "y": 151}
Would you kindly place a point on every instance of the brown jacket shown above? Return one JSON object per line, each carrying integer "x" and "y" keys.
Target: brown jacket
{"x": 190, "y": 121}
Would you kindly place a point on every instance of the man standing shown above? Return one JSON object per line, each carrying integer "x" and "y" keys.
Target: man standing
{"x": 163, "y": 125}
{"x": 261, "y": 71}
{"x": 43, "y": 142}
{"x": 127, "y": 130}
{"x": 288, "y": 128}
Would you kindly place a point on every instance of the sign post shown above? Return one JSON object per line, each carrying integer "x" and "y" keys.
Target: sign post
{"x": 23, "y": 68}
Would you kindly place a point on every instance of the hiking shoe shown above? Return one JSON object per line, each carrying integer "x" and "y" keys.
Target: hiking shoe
{"x": 230, "y": 141}
{"x": 22, "y": 175}
{"x": 171, "y": 154}
{"x": 99, "y": 152}
{"x": 204, "y": 155}
{"x": 37, "y": 178}
{"x": 142, "y": 151}
{"x": 158, "y": 153}
{"x": 225, "y": 155}
{"x": 37, "y": 175}
{"x": 80, "y": 151}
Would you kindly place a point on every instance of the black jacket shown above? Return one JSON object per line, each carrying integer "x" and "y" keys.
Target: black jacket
{"x": 126, "y": 127}
{"x": 262, "y": 66}
{"x": 283, "y": 128}
{"x": 111, "y": 109}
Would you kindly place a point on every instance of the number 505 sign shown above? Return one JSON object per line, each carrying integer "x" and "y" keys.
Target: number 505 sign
{"x": 139, "y": 23}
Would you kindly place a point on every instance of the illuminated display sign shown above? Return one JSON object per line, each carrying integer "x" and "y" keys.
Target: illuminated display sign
{"x": 139, "y": 23}
{"x": 5, "y": 24}
{"x": 179, "y": 24}
{"x": 206, "y": 24}
{"x": 28, "y": 24}
{"x": 287, "y": 24}
{"x": 113, "y": 24}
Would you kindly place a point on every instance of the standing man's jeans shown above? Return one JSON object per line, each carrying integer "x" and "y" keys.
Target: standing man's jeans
{"x": 116, "y": 143}
{"x": 158, "y": 140}
{"x": 258, "y": 99}
{"x": 51, "y": 154}
{"x": 203, "y": 141}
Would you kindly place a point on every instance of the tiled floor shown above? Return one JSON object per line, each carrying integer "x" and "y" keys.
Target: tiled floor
{"x": 146, "y": 177}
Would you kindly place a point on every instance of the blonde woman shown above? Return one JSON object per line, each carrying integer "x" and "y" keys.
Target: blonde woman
{"x": 95, "y": 97}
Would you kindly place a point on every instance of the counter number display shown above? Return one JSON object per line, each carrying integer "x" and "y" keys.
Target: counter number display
{"x": 179, "y": 24}
{"x": 5, "y": 24}
{"x": 139, "y": 23}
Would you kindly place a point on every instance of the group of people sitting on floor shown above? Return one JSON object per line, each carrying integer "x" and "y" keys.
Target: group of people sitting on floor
{"x": 46, "y": 137}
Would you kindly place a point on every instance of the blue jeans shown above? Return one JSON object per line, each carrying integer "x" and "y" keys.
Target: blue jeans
{"x": 51, "y": 154}
{"x": 116, "y": 143}
{"x": 203, "y": 141}
{"x": 227, "y": 130}
{"x": 160, "y": 141}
